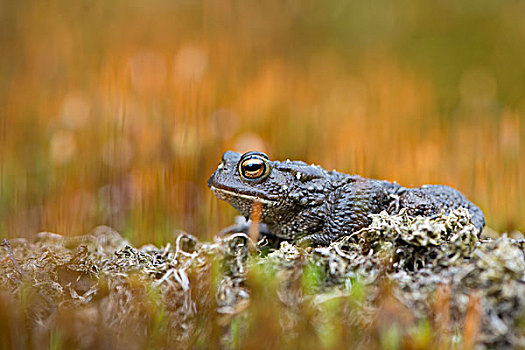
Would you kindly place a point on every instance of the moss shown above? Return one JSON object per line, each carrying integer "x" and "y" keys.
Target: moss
{"x": 401, "y": 283}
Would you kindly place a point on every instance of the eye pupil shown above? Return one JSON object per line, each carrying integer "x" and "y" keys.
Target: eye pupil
{"x": 253, "y": 166}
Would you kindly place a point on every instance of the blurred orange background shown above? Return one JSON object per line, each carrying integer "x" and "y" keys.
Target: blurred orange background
{"x": 116, "y": 112}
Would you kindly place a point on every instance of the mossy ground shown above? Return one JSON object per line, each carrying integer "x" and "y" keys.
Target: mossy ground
{"x": 403, "y": 282}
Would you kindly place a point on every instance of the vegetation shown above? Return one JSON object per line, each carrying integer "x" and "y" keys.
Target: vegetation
{"x": 403, "y": 282}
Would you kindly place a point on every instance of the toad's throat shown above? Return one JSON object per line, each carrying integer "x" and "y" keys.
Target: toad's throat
{"x": 223, "y": 194}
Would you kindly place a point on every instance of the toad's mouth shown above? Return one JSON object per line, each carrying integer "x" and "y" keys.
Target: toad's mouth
{"x": 225, "y": 194}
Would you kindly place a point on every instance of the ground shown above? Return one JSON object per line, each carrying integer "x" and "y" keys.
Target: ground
{"x": 402, "y": 282}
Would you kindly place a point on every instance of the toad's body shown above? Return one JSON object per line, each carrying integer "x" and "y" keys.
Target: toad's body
{"x": 306, "y": 201}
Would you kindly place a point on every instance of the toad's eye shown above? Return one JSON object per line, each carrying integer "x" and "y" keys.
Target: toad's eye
{"x": 254, "y": 168}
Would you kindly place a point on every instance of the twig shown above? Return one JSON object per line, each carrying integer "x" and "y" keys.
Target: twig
{"x": 255, "y": 218}
{"x": 5, "y": 243}
{"x": 471, "y": 326}
{"x": 442, "y": 315}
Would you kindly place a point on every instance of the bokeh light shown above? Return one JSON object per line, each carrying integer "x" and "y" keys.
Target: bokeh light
{"x": 190, "y": 63}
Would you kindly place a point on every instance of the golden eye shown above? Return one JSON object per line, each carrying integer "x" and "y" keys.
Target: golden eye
{"x": 254, "y": 168}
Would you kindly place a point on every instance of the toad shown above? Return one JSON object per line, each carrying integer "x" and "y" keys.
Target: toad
{"x": 308, "y": 203}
